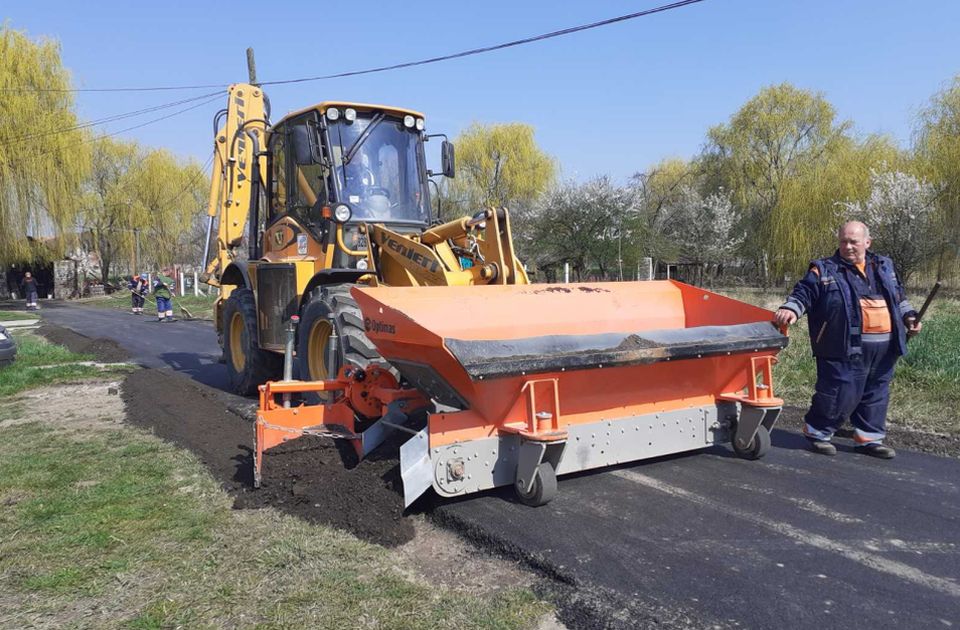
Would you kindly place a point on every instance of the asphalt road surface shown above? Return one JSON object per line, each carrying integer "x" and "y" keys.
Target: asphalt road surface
{"x": 795, "y": 540}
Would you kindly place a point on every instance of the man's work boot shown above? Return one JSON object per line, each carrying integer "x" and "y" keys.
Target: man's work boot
{"x": 877, "y": 450}
{"x": 823, "y": 447}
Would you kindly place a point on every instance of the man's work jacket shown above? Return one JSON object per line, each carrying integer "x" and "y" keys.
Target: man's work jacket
{"x": 833, "y": 310}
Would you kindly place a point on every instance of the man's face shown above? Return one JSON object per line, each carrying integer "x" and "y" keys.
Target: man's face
{"x": 853, "y": 245}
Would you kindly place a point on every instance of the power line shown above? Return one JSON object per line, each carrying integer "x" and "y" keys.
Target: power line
{"x": 486, "y": 49}
{"x": 149, "y": 122}
{"x": 200, "y": 173}
{"x": 108, "y": 119}
{"x": 409, "y": 64}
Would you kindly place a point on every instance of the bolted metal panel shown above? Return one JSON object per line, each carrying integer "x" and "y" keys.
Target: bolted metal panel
{"x": 492, "y": 462}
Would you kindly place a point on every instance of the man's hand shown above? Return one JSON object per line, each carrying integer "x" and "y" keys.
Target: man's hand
{"x": 913, "y": 326}
{"x": 785, "y": 317}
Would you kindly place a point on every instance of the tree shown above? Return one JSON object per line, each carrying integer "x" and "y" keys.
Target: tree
{"x": 703, "y": 229}
{"x": 583, "y": 225}
{"x": 499, "y": 165}
{"x": 778, "y": 136}
{"x": 937, "y": 149}
{"x": 900, "y": 215}
{"x": 657, "y": 193}
{"x": 134, "y": 193}
{"x": 110, "y": 211}
{"x": 42, "y": 157}
{"x": 173, "y": 201}
{"x": 803, "y": 225}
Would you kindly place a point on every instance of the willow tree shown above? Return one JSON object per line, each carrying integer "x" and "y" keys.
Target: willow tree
{"x": 172, "y": 200}
{"x": 813, "y": 203}
{"x": 938, "y": 153}
{"x": 42, "y": 158}
{"x": 499, "y": 165}
{"x": 110, "y": 210}
{"x": 777, "y": 137}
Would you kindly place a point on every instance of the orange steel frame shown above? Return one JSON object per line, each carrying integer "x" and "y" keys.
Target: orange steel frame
{"x": 369, "y": 395}
{"x": 624, "y": 392}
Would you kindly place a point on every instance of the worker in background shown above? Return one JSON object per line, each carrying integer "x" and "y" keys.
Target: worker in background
{"x": 138, "y": 288}
{"x": 859, "y": 320}
{"x": 163, "y": 292}
{"x": 29, "y": 287}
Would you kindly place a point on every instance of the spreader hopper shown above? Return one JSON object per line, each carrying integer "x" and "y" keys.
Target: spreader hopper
{"x": 535, "y": 381}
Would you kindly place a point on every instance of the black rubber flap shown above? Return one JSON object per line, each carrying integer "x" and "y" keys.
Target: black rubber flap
{"x": 553, "y": 353}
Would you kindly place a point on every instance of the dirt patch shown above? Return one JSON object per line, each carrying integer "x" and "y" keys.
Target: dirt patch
{"x": 314, "y": 478}
{"x": 80, "y": 407}
{"x": 104, "y": 350}
{"x": 934, "y": 443}
{"x": 439, "y": 556}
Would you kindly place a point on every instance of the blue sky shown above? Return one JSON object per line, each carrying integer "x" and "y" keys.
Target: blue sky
{"x": 613, "y": 100}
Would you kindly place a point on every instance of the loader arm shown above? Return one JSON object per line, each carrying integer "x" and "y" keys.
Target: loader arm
{"x": 233, "y": 190}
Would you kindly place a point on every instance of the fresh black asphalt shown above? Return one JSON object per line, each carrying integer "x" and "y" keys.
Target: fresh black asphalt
{"x": 795, "y": 540}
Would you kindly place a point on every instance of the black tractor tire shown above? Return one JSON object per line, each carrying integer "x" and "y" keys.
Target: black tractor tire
{"x": 332, "y": 310}
{"x": 248, "y": 366}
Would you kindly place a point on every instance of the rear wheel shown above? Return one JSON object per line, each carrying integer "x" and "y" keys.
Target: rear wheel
{"x": 247, "y": 365}
{"x": 330, "y": 311}
{"x": 544, "y": 487}
{"x": 757, "y": 447}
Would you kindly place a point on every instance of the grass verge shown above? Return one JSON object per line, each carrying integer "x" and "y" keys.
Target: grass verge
{"x": 34, "y": 351}
{"x": 17, "y": 316}
{"x": 110, "y": 527}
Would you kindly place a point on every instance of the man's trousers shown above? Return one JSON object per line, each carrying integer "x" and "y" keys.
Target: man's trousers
{"x": 858, "y": 388}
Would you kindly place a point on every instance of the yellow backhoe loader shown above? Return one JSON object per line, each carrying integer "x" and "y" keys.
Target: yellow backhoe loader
{"x": 408, "y": 324}
{"x": 327, "y": 198}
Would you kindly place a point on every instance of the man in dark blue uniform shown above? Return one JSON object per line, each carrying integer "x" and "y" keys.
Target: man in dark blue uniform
{"x": 859, "y": 320}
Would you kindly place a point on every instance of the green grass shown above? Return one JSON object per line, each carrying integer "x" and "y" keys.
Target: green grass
{"x": 200, "y": 307}
{"x": 17, "y": 316}
{"x": 925, "y": 393}
{"x": 115, "y": 528}
{"x": 34, "y": 351}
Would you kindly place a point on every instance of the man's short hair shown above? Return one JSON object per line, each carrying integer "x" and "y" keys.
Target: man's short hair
{"x": 866, "y": 228}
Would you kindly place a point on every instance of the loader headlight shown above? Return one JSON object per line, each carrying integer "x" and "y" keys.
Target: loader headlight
{"x": 333, "y": 113}
{"x": 342, "y": 213}
{"x": 350, "y": 115}
{"x": 408, "y": 121}
{"x": 362, "y": 264}
{"x": 419, "y": 124}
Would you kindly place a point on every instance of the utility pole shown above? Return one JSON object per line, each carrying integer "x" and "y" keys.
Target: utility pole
{"x": 251, "y": 67}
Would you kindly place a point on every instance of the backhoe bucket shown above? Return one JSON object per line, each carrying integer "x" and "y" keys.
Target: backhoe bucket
{"x": 573, "y": 376}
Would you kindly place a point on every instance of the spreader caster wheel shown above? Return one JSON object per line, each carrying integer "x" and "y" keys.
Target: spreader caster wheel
{"x": 757, "y": 447}
{"x": 544, "y": 487}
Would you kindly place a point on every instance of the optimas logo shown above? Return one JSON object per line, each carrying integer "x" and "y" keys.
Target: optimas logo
{"x": 375, "y": 325}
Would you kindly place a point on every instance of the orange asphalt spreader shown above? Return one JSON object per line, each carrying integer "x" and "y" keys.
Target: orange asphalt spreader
{"x": 517, "y": 384}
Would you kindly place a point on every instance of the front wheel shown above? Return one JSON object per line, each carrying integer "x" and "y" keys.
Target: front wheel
{"x": 248, "y": 366}
{"x": 331, "y": 313}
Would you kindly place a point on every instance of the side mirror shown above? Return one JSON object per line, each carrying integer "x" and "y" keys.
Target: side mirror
{"x": 447, "y": 160}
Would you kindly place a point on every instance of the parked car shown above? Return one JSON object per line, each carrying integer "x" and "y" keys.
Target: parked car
{"x": 8, "y": 348}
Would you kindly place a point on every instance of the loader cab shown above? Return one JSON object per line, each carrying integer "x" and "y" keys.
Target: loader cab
{"x": 369, "y": 158}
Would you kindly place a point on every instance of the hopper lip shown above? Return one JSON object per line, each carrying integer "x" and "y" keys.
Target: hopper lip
{"x": 554, "y": 353}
